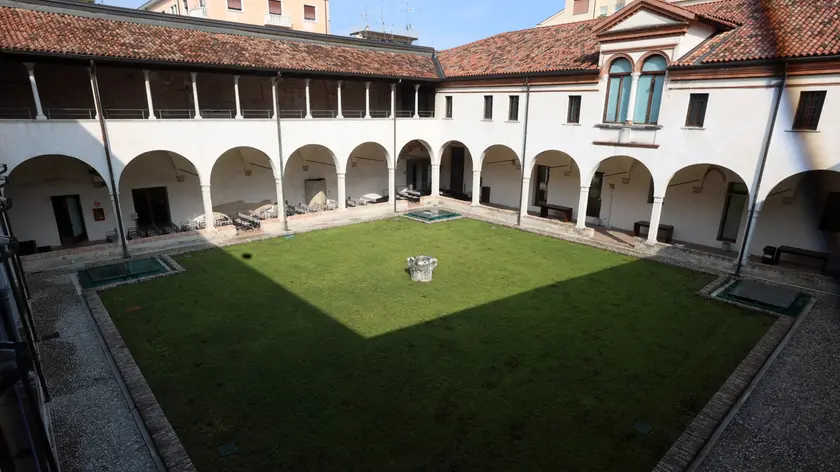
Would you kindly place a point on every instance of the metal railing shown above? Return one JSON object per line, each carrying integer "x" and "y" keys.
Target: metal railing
{"x": 217, "y": 114}
{"x": 257, "y": 114}
{"x": 405, "y": 113}
{"x": 17, "y": 113}
{"x": 353, "y": 113}
{"x": 292, "y": 113}
{"x": 200, "y": 12}
{"x": 426, "y": 113}
{"x": 175, "y": 114}
{"x": 70, "y": 113}
{"x": 324, "y": 113}
{"x": 126, "y": 114}
{"x": 277, "y": 20}
{"x": 380, "y": 113}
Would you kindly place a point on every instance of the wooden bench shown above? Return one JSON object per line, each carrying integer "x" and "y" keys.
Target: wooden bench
{"x": 795, "y": 251}
{"x": 667, "y": 229}
{"x": 546, "y": 207}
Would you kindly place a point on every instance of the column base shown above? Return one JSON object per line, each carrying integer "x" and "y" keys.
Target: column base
{"x": 584, "y": 232}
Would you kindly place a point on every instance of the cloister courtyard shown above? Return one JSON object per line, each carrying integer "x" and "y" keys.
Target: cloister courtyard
{"x": 317, "y": 352}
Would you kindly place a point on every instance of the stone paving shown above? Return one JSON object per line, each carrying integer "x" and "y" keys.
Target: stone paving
{"x": 791, "y": 421}
{"x": 93, "y": 425}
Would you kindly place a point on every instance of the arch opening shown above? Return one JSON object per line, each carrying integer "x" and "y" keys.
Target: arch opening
{"x": 242, "y": 187}
{"x": 555, "y": 181}
{"x": 413, "y": 170}
{"x": 160, "y": 193}
{"x": 366, "y": 177}
{"x": 501, "y": 177}
{"x": 456, "y": 171}
{"x": 60, "y": 202}
{"x": 621, "y": 193}
{"x": 310, "y": 179}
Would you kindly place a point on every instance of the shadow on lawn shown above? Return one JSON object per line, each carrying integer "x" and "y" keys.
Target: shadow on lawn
{"x": 551, "y": 379}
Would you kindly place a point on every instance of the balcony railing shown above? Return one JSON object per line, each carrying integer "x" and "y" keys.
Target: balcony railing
{"x": 278, "y": 20}
{"x": 324, "y": 113}
{"x": 175, "y": 114}
{"x": 17, "y": 114}
{"x": 217, "y": 114}
{"x": 292, "y": 113}
{"x": 405, "y": 113}
{"x": 257, "y": 114}
{"x": 380, "y": 113}
{"x": 200, "y": 12}
{"x": 353, "y": 113}
{"x": 70, "y": 113}
{"x": 126, "y": 114}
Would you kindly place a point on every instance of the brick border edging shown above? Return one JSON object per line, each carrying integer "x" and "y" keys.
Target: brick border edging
{"x": 169, "y": 447}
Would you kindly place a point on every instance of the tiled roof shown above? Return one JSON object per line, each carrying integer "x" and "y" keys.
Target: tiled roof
{"x": 52, "y": 32}
{"x": 565, "y": 47}
{"x": 770, "y": 29}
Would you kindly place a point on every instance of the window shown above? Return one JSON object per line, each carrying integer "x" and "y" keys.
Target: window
{"x": 488, "y": 107}
{"x": 619, "y": 5}
{"x": 649, "y": 94}
{"x": 186, "y": 6}
{"x": 173, "y": 9}
{"x": 513, "y": 108}
{"x": 603, "y": 12}
{"x": 573, "y": 114}
{"x": 449, "y": 106}
{"x": 830, "y": 220}
{"x": 309, "y": 13}
{"x": 618, "y": 91}
{"x": 697, "y": 110}
{"x": 580, "y": 6}
{"x": 809, "y": 109}
{"x": 275, "y": 7}
{"x": 235, "y": 5}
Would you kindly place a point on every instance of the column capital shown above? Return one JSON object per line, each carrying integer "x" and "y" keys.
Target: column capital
{"x": 584, "y": 188}
{"x": 526, "y": 178}
{"x": 278, "y": 181}
{"x": 339, "y": 83}
{"x": 146, "y": 73}
{"x": 307, "y": 80}
{"x": 658, "y": 200}
{"x": 236, "y": 78}
{"x": 393, "y": 86}
{"x": 367, "y": 84}
{"x": 435, "y": 165}
{"x": 636, "y": 75}
{"x": 193, "y": 75}
{"x": 340, "y": 174}
{"x": 30, "y": 66}
{"x": 476, "y": 171}
{"x": 416, "y": 87}
{"x": 205, "y": 187}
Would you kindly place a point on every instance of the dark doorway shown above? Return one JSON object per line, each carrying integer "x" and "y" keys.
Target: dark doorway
{"x": 733, "y": 210}
{"x": 593, "y": 208}
{"x": 456, "y": 176}
{"x": 69, "y": 219}
{"x": 541, "y": 185}
{"x": 152, "y": 207}
{"x": 418, "y": 175}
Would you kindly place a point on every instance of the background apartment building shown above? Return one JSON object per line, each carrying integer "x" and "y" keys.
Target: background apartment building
{"x": 301, "y": 15}
{"x": 582, "y": 10}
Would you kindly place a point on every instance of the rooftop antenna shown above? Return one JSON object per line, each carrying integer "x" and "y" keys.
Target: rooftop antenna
{"x": 408, "y": 9}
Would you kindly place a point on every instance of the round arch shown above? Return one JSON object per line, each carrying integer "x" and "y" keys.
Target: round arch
{"x": 60, "y": 201}
{"x": 448, "y": 146}
{"x": 605, "y": 69}
{"x": 308, "y": 150}
{"x": 413, "y": 144}
{"x": 637, "y": 65}
{"x": 621, "y": 191}
{"x": 369, "y": 147}
{"x": 310, "y": 176}
{"x": 498, "y": 151}
{"x": 413, "y": 167}
{"x": 242, "y": 180}
{"x": 366, "y": 174}
{"x": 556, "y": 181}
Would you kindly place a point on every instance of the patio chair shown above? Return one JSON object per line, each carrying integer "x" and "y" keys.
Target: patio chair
{"x": 111, "y": 236}
{"x": 187, "y": 226}
{"x": 132, "y": 233}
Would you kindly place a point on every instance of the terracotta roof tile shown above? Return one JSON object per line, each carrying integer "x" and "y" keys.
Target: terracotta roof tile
{"x": 564, "y": 47}
{"x": 49, "y": 32}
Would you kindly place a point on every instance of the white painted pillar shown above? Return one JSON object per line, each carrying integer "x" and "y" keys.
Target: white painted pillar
{"x": 93, "y": 94}
{"x": 36, "y": 97}
{"x": 744, "y": 255}
{"x": 435, "y": 180}
{"x": 583, "y": 202}
{"x": 339, "y": 101}
{"x": 308, "y": 109}
{"x": 276, "y": 82}
{"x": 393, "y": 100}
{"x": 209, "y": 219}
{"x": 367, "y": 99}
{"x": 655, "y": 214}
{"x": 392, "y": 186}
{"x": 476, "y": 188}
{"x": 523, "y": 199}
{"x": 416, "y": 100}
{"x": 236, "y": 95}
{"x": 195, "y": 96}
{"x": 149, "y": 95}
{"x": 342, "y": 192}
{"x": 631, "y": 104}
{"x": 281, "y": 200}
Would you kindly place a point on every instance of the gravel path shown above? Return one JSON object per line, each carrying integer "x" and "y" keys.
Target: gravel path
{"x": 791, "y": 422}
{"x": 93, "y": 425}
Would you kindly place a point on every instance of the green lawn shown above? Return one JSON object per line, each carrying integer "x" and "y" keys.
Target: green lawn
{"x": 524, "y": 354}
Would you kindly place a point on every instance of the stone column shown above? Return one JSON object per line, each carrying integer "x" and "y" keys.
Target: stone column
{"x": 367, "y": 99}
{"x": 523, "y": 199}
{"x": 744, "y": 255}
{"x": 476, "y": 188}
{"x": 281, "y": 200}
{"x": 583, "y": 202}
{"x": 631, "y": 104}
{"x": 342, "y": 192}
{"x": 339, "y": 101}
{"x": 209, "y": 220}
{"x": 195, "y": 96}
{"x": 36, "y": 97}
{"x": 393, "y": 100}
{"x": 416, "y": 100}
{"x": 308, "y": 109}
{"x": 149, "y": 95}
{"x": 392, "y": 186}
{"x": 236, "y": 95}
{"x": 655, "y": 213}
{"x": 435, "y": 180}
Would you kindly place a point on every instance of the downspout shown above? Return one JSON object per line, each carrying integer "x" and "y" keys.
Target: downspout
{"x": 522, "y": 188}
{"x": 281, "y": 206}
{"x": 396, "y": 156}
{"x": 97, "y": 102}
{"x": 765, "y": 150}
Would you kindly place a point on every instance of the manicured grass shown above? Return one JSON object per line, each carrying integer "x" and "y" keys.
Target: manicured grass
{"x": 525, "y": 353}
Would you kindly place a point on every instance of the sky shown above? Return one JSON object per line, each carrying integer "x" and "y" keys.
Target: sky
{"x": 441, "y": 24}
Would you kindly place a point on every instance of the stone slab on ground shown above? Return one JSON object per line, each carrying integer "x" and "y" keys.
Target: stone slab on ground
{"x": 791, "y": 421}
{"x": 93, "y": 425}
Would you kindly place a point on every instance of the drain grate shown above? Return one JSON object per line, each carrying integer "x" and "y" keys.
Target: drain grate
{"x": 782, "y": 300}
{"x": 120, "y": 272}
{"x": 432, "y": 215}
